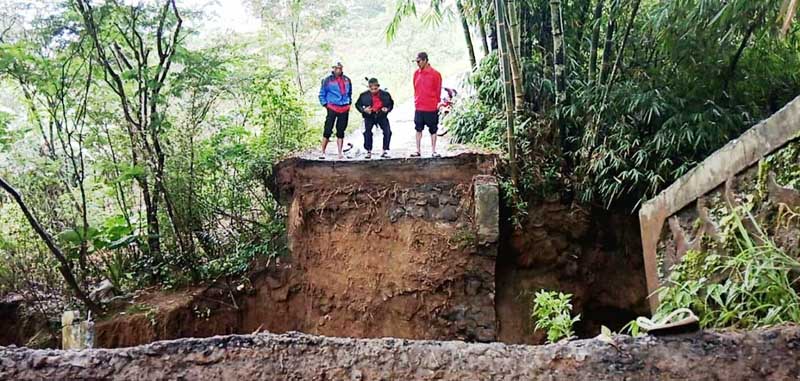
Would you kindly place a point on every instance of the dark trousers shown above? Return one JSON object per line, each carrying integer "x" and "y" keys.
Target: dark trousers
{"x": 339, "y": 119}
{"x": 381, "y": 121}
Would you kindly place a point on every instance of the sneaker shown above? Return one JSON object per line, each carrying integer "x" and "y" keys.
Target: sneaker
{"x": 385, "y": 155}
{"x": 368, "y": 156}
{"x": 682, "y": 320}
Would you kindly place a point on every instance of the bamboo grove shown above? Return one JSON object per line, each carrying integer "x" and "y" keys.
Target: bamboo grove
{"x": 609, "y": 101}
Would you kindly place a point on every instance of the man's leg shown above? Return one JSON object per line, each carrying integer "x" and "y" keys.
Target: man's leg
{"x": 327, "y": 131}
{"x": 387, "y": 133}
{"x": 368, "y": 123}
{"x": 341, "y": 126}
{"x": 433, "y": 127}
{"x": 419, "y": 125}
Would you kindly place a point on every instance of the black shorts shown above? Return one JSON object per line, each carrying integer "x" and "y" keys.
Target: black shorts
{"x": 338, "y": 119}
{"x": 426, "y": 118}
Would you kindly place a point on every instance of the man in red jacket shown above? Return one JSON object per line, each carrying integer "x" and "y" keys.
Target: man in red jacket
{"x": 427, "y": 88}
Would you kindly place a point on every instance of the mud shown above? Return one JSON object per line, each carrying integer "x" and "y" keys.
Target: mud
{"x": 391, "y": 249}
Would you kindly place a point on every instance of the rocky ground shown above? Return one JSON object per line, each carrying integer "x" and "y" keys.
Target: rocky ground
{"x": 771, "y": 354}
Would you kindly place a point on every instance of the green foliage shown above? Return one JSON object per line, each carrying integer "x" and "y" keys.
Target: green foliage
{"x": 5, "y": 134}
{"x": 785, "y": 163}
{"x": 552, "y": 313}
{"x": 694, "y": 75}
{"x": 472, "y": 122}
{"x": 464, "y": 239}
{"x": 752, "y": 287}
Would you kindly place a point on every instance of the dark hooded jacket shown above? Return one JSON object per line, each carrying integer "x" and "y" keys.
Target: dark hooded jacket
{"x": 365, "y": 100}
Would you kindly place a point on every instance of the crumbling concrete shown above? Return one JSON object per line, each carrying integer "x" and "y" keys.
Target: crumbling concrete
{"x": 771, "y": 354}
{"x": 76, "y": 333}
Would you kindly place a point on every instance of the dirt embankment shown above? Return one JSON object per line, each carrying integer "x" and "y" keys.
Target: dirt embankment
{"x": 389, "y": 248}
{"x": 593, "y": 254}
{"x": 772, "y": 354}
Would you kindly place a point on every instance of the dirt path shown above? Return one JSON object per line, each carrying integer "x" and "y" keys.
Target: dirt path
{"x": 403, "y": 135}
{"x": 403, "y": 142}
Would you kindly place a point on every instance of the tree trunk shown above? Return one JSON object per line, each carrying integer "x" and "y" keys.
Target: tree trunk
{"x": 296, "y": 53}
{"x": 63, "y": 264}
{"x": 507, "y": 87}
{"x": 736, "y": 57}
{"x": 621, "y": 53}
{"x": 593, "y": 48}
{"x": 482, "y": 30}
{"x": 516, "y": 80}
{"x": 581, "y": 24}
{"x": 467, "y": 37}
{"x": 608, "y": 48}
{"x": 559, "y": 55}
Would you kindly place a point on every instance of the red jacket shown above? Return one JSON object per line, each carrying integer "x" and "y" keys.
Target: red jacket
{"x": 427, "y": 88}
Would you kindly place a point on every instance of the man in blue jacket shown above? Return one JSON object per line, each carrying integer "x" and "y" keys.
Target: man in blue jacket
{"x": 335, "y": 95}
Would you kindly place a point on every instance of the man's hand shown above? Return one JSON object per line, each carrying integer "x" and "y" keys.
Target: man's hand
{"x": 385, "y": 109}
{"x": 368, "y": 109}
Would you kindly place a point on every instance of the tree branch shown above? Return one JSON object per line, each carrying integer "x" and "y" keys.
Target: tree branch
{"x": 64, "y": 267}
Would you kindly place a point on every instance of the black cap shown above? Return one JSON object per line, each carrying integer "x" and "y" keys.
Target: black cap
{"x": 422, "y": 56}
{"x": 373, "y": 81}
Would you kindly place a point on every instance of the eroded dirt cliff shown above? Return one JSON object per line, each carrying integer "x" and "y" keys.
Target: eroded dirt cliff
{"x": 390, "y": 249}
{"x": 378, "y": 249}
{"x": 593, "y": 254}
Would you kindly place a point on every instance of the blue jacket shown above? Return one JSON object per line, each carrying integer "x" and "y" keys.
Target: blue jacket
{"x": 329, "y": 91}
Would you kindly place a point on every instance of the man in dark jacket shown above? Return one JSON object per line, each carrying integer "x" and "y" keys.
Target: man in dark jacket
{"x": 375, "y": 105}
{"x": 335, "y": 94}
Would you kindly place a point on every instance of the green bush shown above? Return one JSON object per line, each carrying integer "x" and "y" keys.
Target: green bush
{"x": 552, "y": 313}
{"x": 754, "y": 286}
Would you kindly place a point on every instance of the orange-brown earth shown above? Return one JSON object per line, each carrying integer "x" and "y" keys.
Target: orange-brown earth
{"x": 388, "y": 249}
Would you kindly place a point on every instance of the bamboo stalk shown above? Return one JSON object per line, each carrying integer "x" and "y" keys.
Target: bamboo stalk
{"x": 506, "y": 75}
{"x": 467, "y": 37}
{"x": 559, "y": 54}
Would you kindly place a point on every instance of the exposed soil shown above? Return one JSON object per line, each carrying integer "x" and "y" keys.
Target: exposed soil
{"x": 594, "y": 255}
{"x": 377, "y": 250}
{"x": 20, "y": 325}
{"x": 389, "y": 250}
{"x": 771, "y": 354}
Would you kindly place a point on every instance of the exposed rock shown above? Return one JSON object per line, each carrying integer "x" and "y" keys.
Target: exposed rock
{"x": 103, "y": 292}
{"x": 772, "y": 354}
{"x": 449, "y": 213}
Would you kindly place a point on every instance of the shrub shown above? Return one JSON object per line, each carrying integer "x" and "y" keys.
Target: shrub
{"x": 752, "y": 287}
{"x": 552, "y": 312}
